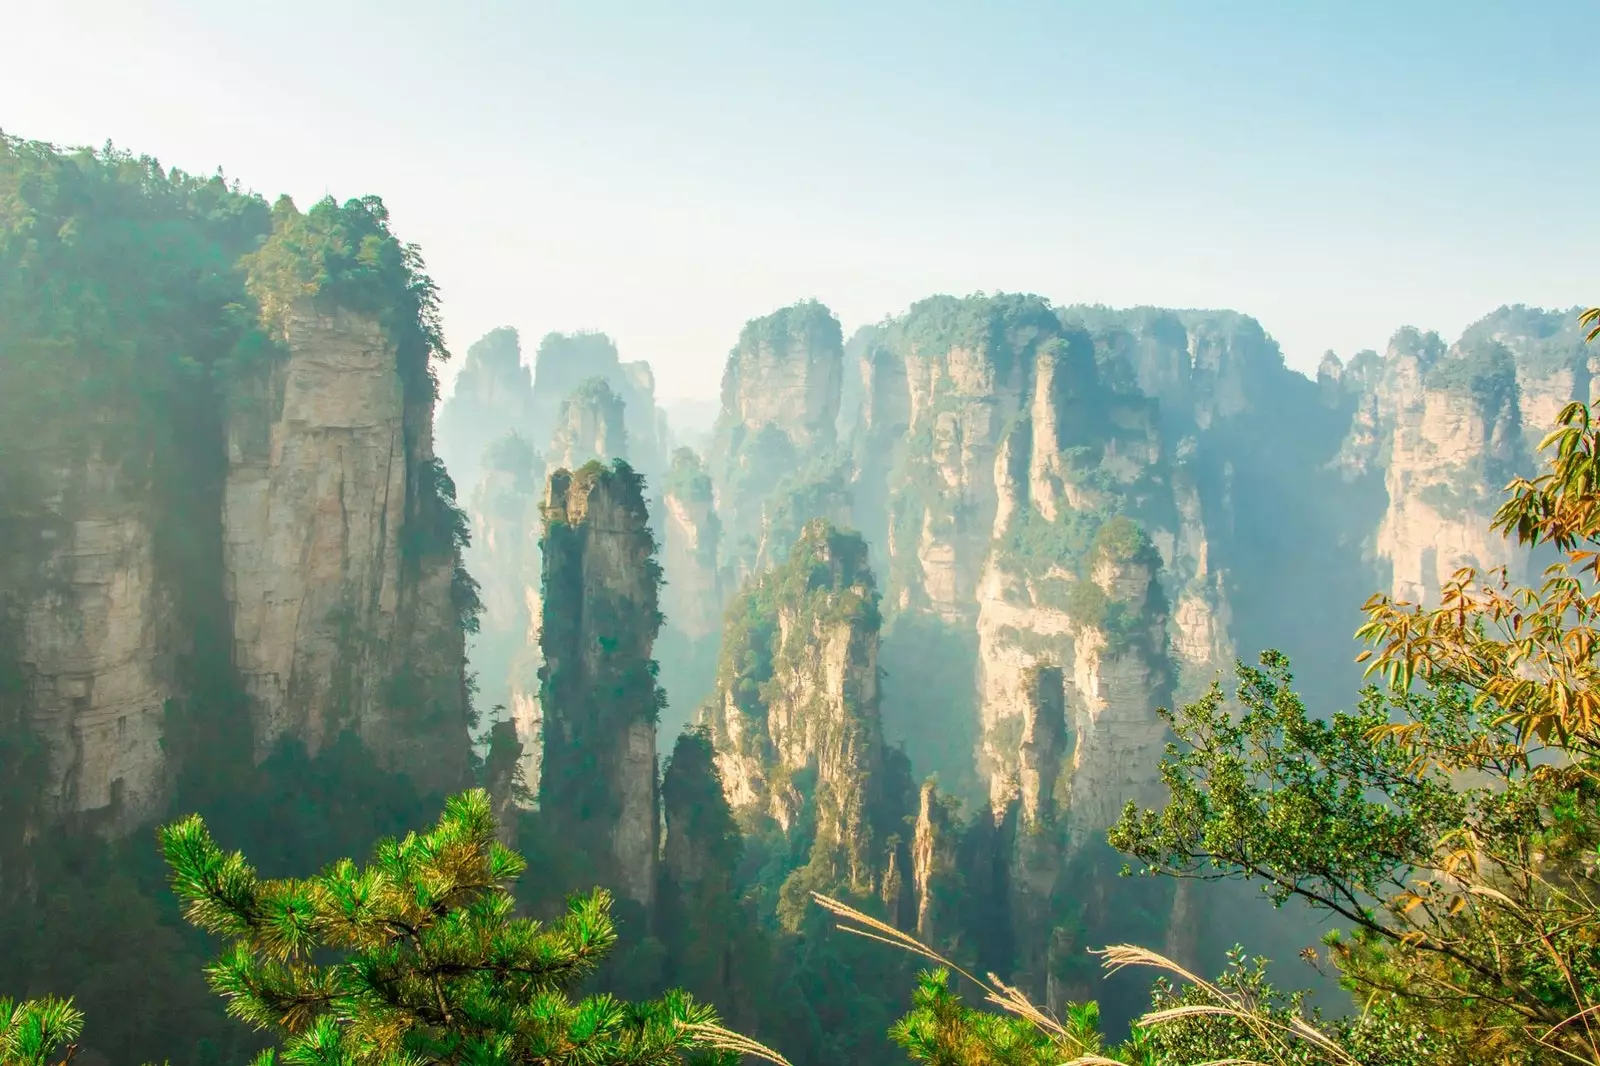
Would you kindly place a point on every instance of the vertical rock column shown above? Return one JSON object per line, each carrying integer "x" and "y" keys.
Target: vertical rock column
{"x": 598, "y": 691}
{"x": 338, "y": 564}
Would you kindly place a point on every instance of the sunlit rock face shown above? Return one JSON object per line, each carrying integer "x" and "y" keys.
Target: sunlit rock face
{"x": 339, "y": 566}
{"x": 598, "y": 696}
{"x": 795, "y": 718}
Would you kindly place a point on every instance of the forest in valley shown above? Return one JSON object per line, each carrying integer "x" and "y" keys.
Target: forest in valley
{"x": 1004, "y": 682}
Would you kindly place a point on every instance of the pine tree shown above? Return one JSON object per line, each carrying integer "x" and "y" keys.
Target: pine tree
{"x": 417, "y": 958}
{"x": 32, "y": 1030}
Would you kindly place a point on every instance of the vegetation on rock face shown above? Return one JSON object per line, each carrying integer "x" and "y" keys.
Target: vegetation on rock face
{"x": 806, "y": 325}
{"x": 344, "y": 256}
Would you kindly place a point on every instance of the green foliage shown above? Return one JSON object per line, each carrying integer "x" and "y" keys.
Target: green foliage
{"x": 1306, "y": 805}
{"x": 32, "y": 1030}
{"x": 1487, "y": 373}
{"x": 1547, "y": 342}
{"x": 805, "y": 326}
{"x": 345, "y": 256}
{"x": 941, "y": 1031}
{"x": 1455, "y": 860}
{"x": 428, "y": 963}
{"x": 1005, "y": 323}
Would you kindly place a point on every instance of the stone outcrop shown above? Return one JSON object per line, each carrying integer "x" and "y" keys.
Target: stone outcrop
{"x": 780, "y": 406}
{"x": 589, "y": 425}
{"x": 92, "y": 631}
{"x": 787, "y": 372}
{"x": 563, "y": 365}
{"x": 795, "y": 717}
{"x": 340, "y": 554}
{"x": 965, "y": 365}
{"x": 598, "y": 691}
{"x": 492, "y": 396}
{"x": 505, "y": 559}
{"x": 1443, "y": 428}
{"x": 691, "y": 532}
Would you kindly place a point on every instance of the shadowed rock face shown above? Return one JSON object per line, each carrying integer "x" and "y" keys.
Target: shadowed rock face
{"x": 338, "y": 572}
{"x": 598, "y": 692}
{"x": 692, "y": 533}
{"x": 94, "y": 638}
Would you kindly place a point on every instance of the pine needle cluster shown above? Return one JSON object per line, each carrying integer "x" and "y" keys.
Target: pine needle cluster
{"x": 418, "y": 957}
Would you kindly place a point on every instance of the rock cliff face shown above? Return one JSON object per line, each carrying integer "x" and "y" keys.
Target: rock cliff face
{"x": 692, "y": 531}
{"x": 589, "y": 425}
{"x": 94, "y": 632}
{"x": 505, "y": 512}
{"x": 223, "y": 524}
{"x": 564, "y": 365}
{"x": 493, "y": 396}
{"x": 339, "y": 560}
{"x": 956, "y": 373}
{"x": 598, "y": 690}
{"x": 1444, "y": 427}
{"x": 780, "y": 406}
{"x": 795, "y": 717}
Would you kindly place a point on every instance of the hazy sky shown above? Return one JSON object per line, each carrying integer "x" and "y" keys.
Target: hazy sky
{"x": 665, "y": 170}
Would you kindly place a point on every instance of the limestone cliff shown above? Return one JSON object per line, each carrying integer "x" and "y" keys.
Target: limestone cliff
{"x": 956, "y": 373}
{"x": 341, "y": 549}
{"x": 505, "y": 559}
{"x": 493, "y": 396}
{"x": 589, "y": 425}
{"x": 564, "y": 363}
{"x": 93, "y": 631}
{"x": 1443, "y": 427}
{"x": 222, "y": 521}
{"x": 598, "y": 688}
{"x": 780, "y": 405}
{"x": 795, "y": 716}
{"x": 692, "y": 531}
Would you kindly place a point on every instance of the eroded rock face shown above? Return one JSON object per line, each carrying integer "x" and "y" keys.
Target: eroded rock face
{"x": 493, "y": 396}
{"x": 692, "y": 531}
{"x": 1445, "y": 429}
{"x": 787, "y": 371}
{"x": 506, "y": 560}
{"x": 94, "y": 634}
{"x": 338, "y": 565}
{"x": 589, "y": 425}
{"x": 564, "y": 365}
{"x": 796, "y": 711}
{"x": 780, "y": 406}
{"x": 598, "y": 694}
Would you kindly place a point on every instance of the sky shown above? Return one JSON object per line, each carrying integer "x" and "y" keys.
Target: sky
{"x": 666, "y": 170}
